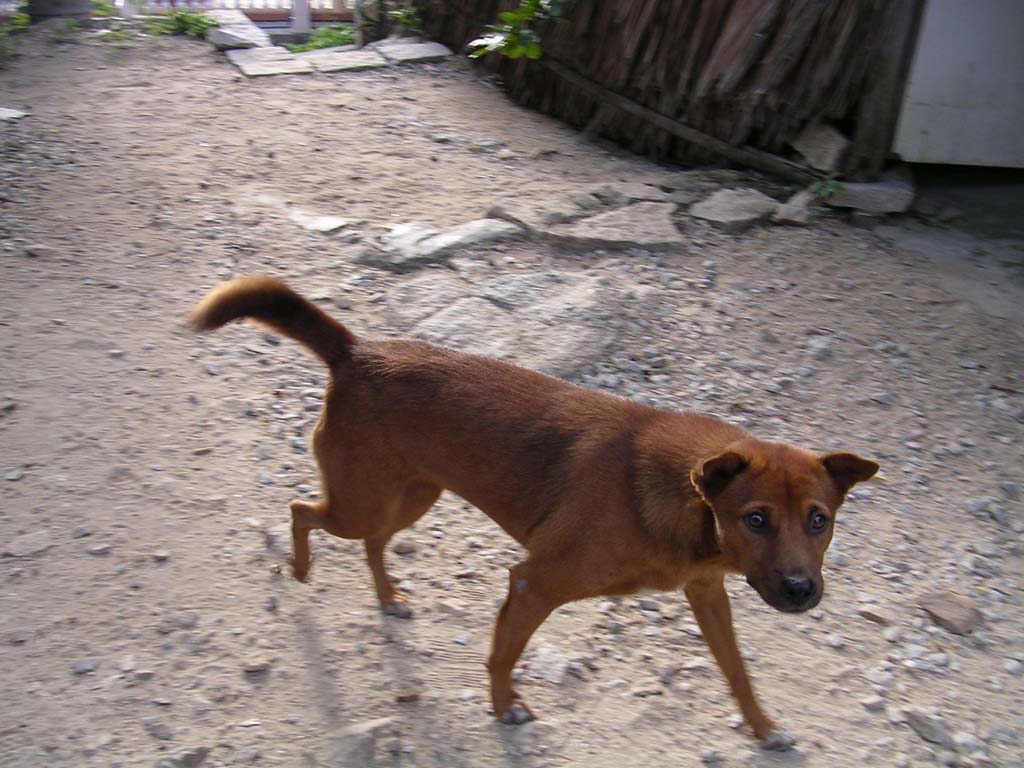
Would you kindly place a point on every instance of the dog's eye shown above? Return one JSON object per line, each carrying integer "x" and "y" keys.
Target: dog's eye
{"x": 756, "y": 521}
{"x": 819, "y": 521}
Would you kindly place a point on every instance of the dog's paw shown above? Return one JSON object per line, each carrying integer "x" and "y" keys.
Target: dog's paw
{"x": 399, "y": 609}
{"x": 517, "y": 714}
{"x": 778, "y": 741}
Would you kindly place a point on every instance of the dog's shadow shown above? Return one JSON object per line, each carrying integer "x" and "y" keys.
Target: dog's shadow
{"x": 414, "y": 728}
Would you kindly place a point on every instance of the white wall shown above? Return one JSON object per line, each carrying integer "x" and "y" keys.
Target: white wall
{"x": 964, "y": 100}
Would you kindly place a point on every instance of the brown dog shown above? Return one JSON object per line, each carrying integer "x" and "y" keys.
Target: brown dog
{"x": 606, "y": 495}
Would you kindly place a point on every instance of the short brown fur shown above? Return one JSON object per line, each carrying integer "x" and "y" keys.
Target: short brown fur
{"x": 607, "y": 496}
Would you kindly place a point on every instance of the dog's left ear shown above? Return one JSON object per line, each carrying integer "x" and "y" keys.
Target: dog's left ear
{"x": 713, "y": 474}
{"x": 848, "y": 469}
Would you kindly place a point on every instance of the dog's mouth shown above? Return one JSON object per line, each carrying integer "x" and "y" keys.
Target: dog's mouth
{"x": 783, "y": 603}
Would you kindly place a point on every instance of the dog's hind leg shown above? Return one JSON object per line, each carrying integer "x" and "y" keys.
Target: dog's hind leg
{"x": 305, "y": 517}
{"x": 417, "y": 498}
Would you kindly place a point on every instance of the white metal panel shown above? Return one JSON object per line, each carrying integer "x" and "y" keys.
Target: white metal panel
{"x": 964, "y": 99}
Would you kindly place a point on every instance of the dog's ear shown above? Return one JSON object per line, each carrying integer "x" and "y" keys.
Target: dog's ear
{"x": 712, "y": 475}
{"x": 848, "y": 469}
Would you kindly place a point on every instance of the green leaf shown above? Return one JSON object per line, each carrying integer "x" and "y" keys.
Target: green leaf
{"x": 533, "y": 50}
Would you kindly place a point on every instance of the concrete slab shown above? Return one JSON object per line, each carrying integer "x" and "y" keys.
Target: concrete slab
{"x": 400, "y": 52}
{"x": 281, "y": 67}
{"x": 261, "y": 55}
{"x": 350, "y": 61}
{"x": 324, "y": 51}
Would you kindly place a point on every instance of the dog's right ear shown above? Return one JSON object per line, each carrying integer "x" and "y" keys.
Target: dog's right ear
{"x": 712, "y": 475}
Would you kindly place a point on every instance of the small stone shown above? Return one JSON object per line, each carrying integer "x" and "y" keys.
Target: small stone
{"x": 28, "y": 544}
{"x": 156, "y": 729}
{"x": 270, "y": 604}
{"x": 549, "y": 664}
{"x": 257, "y": 663}
{"x": 404, "y": 546}
{"x": 883, "y": 398}
{"x": 161, "y": 556}
{"x": 192, "y": 757}
{"x": 11, "y": 114}
{"x": 877, "y": 615}
{"x": 836, "y": 640}
{"x": 796, "y": 211}
{"x": 127, "y": 663}
{"x": 1013, "y": 667}
{"x": 819, "y": 347}
{"x": 13, "y": 475}
{"x": 116, "y": 353}
{"x": 879, "y": 677}
{"x": 83, "y": 667}
{"x": 314, "y": 223}
{"x": 735, "y": 210}
{"x": 1010, "y": 490}
{"x": 952, "y": 612}
{"x": 928, "y": 725}
{"x": 99, "y": 550}
{"x": 177, "y": 620}
{"x": 405, "y": 697}
{"x": 710, "y": 757}
{"x": 873, "y": 703}
{"x": 967, "y": 742}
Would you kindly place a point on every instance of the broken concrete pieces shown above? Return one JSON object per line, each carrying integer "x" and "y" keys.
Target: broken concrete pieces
{"x": 822, "y": 146}
{"x": 688, "y": 187}
{"x": 734, "y": 210}
{"x": 798, "y": 210}
{"x": 409, "y": 246}
{"x": 235, "y": 31}
{"x": 626, "y": 192}
{"x": 535, "y": 214}
{"x": 894, "y": 193}
{"x": 641, "y": 225}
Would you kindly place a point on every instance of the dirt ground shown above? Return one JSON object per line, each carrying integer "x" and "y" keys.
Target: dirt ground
{"x": 145, "y": 618}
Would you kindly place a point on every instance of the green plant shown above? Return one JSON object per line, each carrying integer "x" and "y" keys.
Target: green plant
{"x": 823, "y": 189}
{"x": 64, "y": 30}
{"x": 408, "y": 18}
{"x": 119, "y": 35}
{"x": 102, "y": 8}
{"x": 326, "y": 37}
{"x": 514, "y": 36}
{"x": 185, "y": 22}
{"x": 17, "y": 22}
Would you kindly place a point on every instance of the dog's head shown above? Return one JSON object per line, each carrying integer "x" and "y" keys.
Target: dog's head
{"x": 775, "y": 507}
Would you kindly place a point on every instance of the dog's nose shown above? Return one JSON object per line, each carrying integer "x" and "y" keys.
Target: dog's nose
{"x": 797, "y": 589}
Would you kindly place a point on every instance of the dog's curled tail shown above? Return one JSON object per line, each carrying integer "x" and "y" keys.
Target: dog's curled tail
{"x": 271, "y": 302}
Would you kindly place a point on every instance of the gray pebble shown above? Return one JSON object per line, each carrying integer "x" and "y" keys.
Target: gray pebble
{"x": 83, "y": 667}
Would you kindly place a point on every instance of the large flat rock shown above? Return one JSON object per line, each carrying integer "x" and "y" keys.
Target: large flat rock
{"x": 641, "y": 225}
{"x": 734, "y": 210}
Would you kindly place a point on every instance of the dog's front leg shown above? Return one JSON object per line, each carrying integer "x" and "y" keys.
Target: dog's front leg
{"x": 710, "y": 603}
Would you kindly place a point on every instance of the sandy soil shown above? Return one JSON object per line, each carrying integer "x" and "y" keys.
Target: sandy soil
{"x": 151, "y": 470}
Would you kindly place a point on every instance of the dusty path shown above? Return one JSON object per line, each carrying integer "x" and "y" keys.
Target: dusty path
{"x": 150, "y": 470}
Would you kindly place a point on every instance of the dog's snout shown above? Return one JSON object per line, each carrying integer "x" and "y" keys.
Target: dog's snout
{"x": 798, "y": 589}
